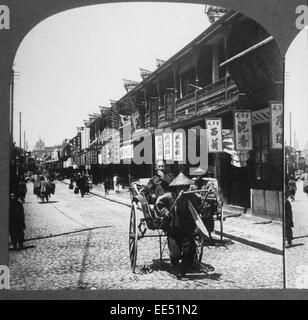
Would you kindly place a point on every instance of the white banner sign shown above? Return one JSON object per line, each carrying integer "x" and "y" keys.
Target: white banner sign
{"x": 159, "y": 150}
{"x": 127, "y": 152}
{"x": 116, "y": 152}
{"x": 109, "y": 153}
{"x": 243, "y": 130}
{"x": 178, "y": 150}
{"x": 100, "y": 158}
{"x": 276, "y": 124}
{"x": 167, "y": 137}
{"x": 214, "y": 128}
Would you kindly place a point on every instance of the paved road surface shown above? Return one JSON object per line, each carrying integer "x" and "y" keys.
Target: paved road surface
{"x": 75, "y": 242}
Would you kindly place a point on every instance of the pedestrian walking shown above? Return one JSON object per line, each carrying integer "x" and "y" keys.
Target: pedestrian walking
{"x": 81, "y": 184}
{"x": 22, "y": 190}
{"x": 44, "y": 187}
{"x": 16, "y": 221}
{"x": 71, "y": 185}
{"x": 107, "y": 185}
{"x": 289, "y": 218}
{"x": 36, "y": 185}
{"x": 115, "y": 183}
{"x": 292, "y": 187}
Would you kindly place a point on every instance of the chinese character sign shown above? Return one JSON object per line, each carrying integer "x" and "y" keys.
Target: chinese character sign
{"x": 214, "y": 128}
{"x": 127, "y": 152}
{"x": 276, "y": 125}
{"x": 87, "y": 137}
{"x": 109, "y": 153}
{"x": 159, "y": 150}
{"x": 167, "y": 145}
{"x": 103, "y": 153}
{"x": 116, "y": 152}
{"x": 243, "y": 131}
{"x": 178, "y": 150}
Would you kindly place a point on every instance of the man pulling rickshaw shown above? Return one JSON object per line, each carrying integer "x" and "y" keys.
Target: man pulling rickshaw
{"x": 170, "y": 208}
{"x": 179, "y": 225}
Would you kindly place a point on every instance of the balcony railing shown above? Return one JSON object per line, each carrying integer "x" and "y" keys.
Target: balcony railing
{"x": 222, "y": 92}
{"x": 161, "y": 114}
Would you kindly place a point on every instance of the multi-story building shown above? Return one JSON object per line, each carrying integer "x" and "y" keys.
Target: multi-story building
{"x": 232, "y": 73}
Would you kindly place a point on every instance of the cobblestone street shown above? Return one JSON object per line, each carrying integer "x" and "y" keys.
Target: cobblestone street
{"x": 297, "y": 254}
{"x": 74, "y": 242}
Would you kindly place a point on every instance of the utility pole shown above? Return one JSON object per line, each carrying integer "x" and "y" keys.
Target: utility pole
{"x": 25, "y": 140}
{"x": 20, "y": 130}
{"x": 12, "y": 107}
{"x": 290, "y": 129}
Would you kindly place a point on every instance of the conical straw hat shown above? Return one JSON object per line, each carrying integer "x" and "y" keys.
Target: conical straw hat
{"x": 180, "y": 180}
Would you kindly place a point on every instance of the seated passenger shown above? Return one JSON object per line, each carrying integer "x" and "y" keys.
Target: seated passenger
{"x": 158, "y": 185}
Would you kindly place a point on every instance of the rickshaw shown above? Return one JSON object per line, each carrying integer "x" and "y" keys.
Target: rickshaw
{"x": 144, "y": 217}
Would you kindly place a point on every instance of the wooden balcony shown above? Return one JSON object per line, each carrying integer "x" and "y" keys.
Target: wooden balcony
{"x": 217, "y": 94}
{"x": 147, "y": 121}
{"x": 161, "y": 114}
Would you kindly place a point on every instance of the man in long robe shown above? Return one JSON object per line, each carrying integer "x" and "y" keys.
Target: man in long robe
{"x": 179, "y": 224}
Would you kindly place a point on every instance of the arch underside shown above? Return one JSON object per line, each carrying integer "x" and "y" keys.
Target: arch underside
{"x": 276, "y": 16}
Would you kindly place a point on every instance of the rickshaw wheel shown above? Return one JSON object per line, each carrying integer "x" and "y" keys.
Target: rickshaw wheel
{"x": 199, "y": 241}
{"x": 133, "y": 237}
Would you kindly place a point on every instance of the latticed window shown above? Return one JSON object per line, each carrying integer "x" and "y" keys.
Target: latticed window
{"x": 169, "y": 106}
{"x": 154, "y": 104}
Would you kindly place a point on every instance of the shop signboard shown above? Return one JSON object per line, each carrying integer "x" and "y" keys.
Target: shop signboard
{"x": 214, "y": 129}
{"x": 243, "y": 130}
{"x": 167, "y": 138}
{"x": 276, "y": 124}
{"x": 116, "y": 151}
{"x": 178, "y": 148}
{"x": 103, "y": 153}
{"x": 109, "y": 153}
{"x": 100, "y": 158}
{"x": 159, "y": 149}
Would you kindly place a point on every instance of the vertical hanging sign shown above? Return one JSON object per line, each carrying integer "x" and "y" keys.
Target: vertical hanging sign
{"x": 109, "y": 153}
{"x": 116, "y": 151}
{"x": 103, "y": 152}
{"x": 214, "y": 128}
{"x": 159, "y": 149}
{"x": 243, "y": 130}
{"x": 167, "y": 137}
{"x": 178, "y": 150}
{"x": 276, "y": 123}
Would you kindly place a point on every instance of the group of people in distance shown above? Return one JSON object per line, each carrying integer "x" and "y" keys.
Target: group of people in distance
{"x": 162, "y": 191}
{"x": 83, "y": 184}
{"x": 116, "y": 183}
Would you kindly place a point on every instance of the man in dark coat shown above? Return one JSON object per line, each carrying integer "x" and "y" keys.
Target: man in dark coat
{"x": 179, "y": 224}
{"x": 16, "y": 221}
{"x": 289, "y": 218}
{"x": 22, "y": 189}
{"x": 158, "y": 185}
{"x": 81, "y": 184}
{"x": 107, "y": 185}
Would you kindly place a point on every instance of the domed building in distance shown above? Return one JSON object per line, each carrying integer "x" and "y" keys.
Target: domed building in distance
{"x": 40, "y": 150}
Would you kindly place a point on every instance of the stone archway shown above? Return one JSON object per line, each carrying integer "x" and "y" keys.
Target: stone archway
{"x": 277, "y": 18}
